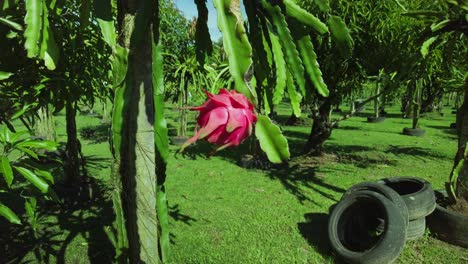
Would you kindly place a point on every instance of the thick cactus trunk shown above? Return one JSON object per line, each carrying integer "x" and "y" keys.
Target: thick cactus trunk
{"x": 134, "y": 170}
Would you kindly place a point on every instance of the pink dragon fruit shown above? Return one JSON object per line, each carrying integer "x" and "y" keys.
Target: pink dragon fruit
{"x": 226, "y": 119}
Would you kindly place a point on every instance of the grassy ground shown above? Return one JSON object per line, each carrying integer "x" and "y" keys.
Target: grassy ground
{"x": 223, "y": 213}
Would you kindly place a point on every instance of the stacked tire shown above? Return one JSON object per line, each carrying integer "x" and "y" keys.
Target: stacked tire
{"x": 373, "y": 220}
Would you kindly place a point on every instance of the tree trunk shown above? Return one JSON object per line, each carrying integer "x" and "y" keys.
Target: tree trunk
{"x": 45, "y": 126}
{"x": 376, "y": 100}
{"x": 433, "y": 99}
{"x": 406, "y": 103}
{"x": 321, "y": 130}
{"x": 134, "y": 145}
{"x": 462, "y": 120}
{"x": 182, "y": 131}
{"x": 416, "y": 104}
{"x": 105, "y": 112}
{"x": 73, "y": 149}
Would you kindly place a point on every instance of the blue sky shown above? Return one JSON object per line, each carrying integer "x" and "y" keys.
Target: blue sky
{"x": 189, "y": 9}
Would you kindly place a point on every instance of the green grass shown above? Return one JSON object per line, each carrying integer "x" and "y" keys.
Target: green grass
{"x": 222, "y": 213}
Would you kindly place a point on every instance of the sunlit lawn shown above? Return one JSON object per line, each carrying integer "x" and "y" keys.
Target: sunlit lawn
{"x": 223, "y": 213}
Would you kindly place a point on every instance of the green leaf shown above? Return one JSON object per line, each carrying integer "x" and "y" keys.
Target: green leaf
{"x": 33, "y": 20}
{"x": 6, "y": 4}
{"x": 237, "y": 46}
{"x": 6, "y": 135}
{"x": 341, "y": 35}
{"x": 103, "y": 12}
{"x": 294, "y": 97}
{"x": 6, "y": 170}
{"x": 119, "y": 60}
{"x": 280, "y": 68}
{"x": 9, "y": 215}
{"x": 50, "y": 52}
{"x": 292, "y": 57}
{"x": 311, "y": 64}
{"x": 439, "y": 25}
{"x": 47, "y": 145}
{"x": 11, "y": 24}
{"x": 30, "y": 207}
{"x": 266, "y": 103}
{"x": 163, "y": 220}
{"x": 20, "y": 112}
{"x": 5, "y": 75}
{"x": 324, "y": 5}
{"x": 426, "y": 45}
{"x": 119, "y": 71}
{"x": 16, "y": 136}
{"x": 160, "y": 124}
{"x": 110, "y": 235}
{"x": 11, "y": 35}
{"x": 293, "y": 10}
{"x": 45, "y": 174}
{"x": 28, "y": 152}
{"x": 272, "y": 142}
{"x": 424, "y": 13}
{"x": 33, "y": 178}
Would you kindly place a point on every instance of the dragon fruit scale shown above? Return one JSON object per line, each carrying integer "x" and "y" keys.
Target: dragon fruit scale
{"x": 225, "y": 119}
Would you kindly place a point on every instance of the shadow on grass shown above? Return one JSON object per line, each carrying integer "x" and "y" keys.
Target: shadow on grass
{"x": 349, "y": 128}
{"x": 415, "y": 152}
{"x": 96, "y": 134}
{"x": 314, "y": 230}
{"x": 85, "y": 211}
{"x": 175, "y": 213}
{"x": 392, "y": 115}
{"x": 299, "y": 180}
{"x": 296, "y": 135}
{"x": 97, "y": 163}
{"x": 446, "y": 129}
{"x": 359, "y": 156}
{"x": 58, "y": 227}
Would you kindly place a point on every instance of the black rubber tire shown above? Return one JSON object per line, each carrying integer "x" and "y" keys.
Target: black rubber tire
{"x": 416, "y": 229}
{"x": 373, "y": 119}
{"x": 446, "y": 225}
{"x": 416, "y": 192}
{"x": 386, "y": 191}
{"x": 414, "y": 132}
{"x": 356, "y": 245}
